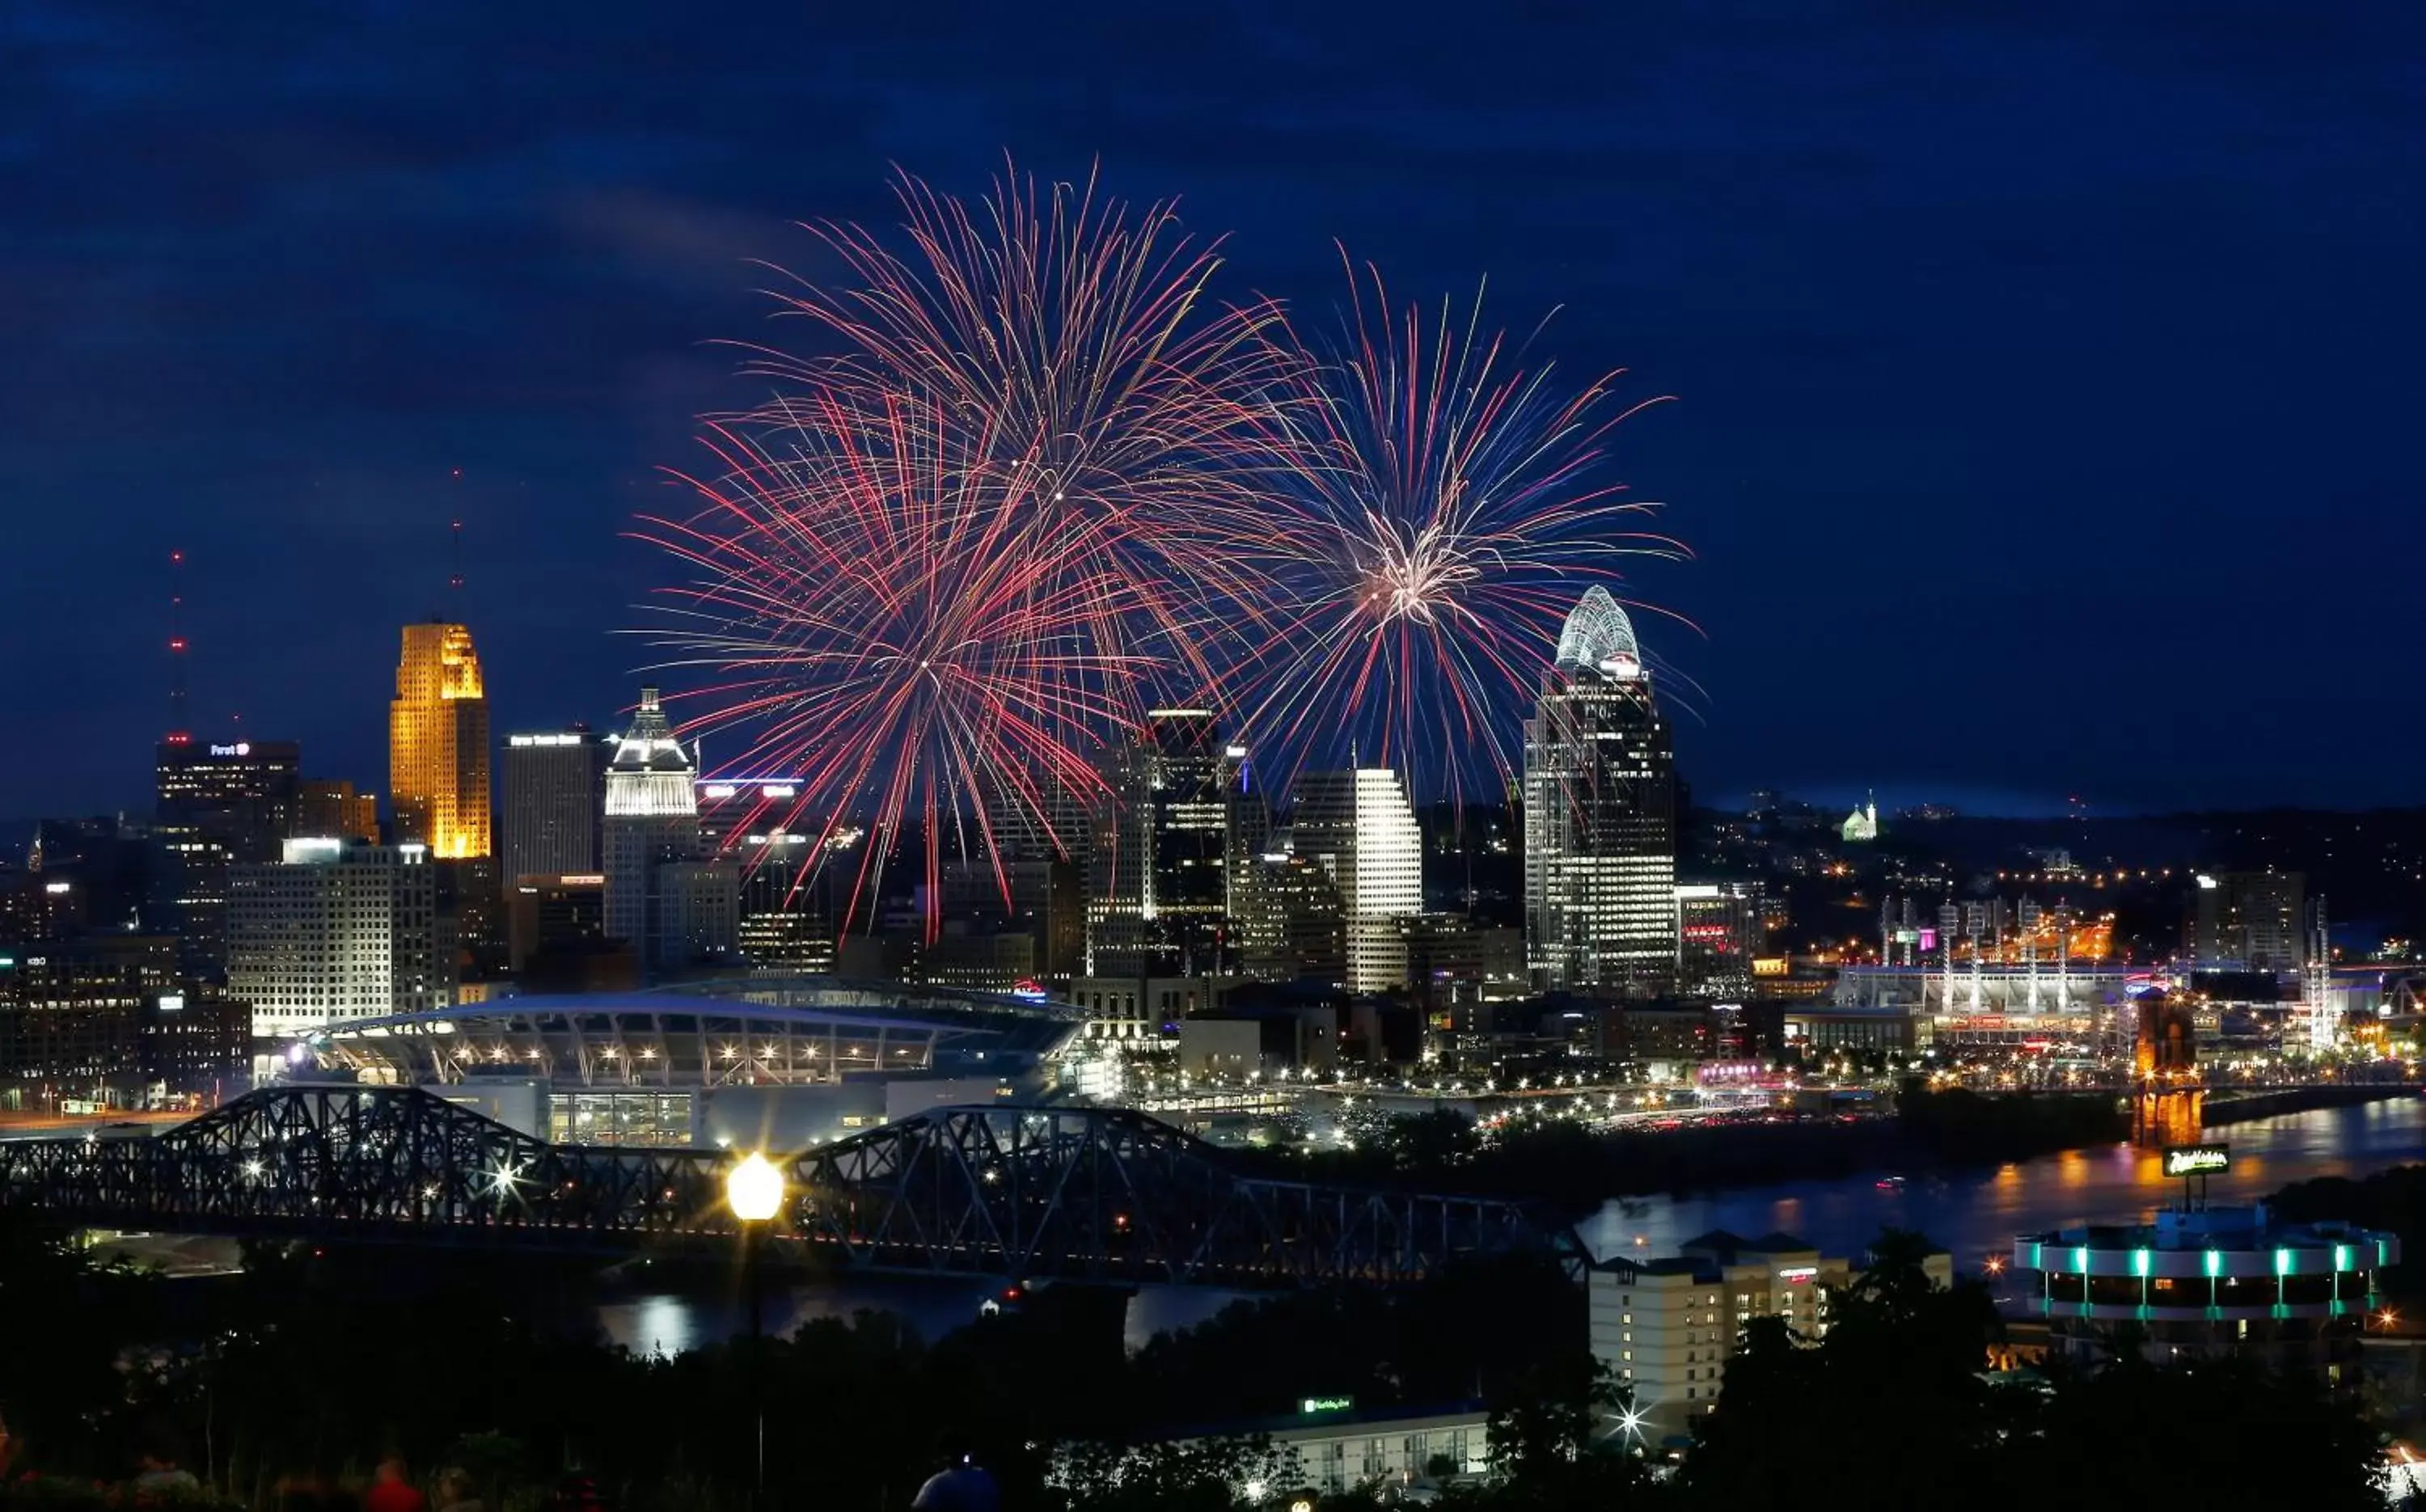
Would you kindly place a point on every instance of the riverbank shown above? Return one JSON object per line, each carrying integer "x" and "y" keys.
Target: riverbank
{"x": 1572, "y": 1168}
{"x": 2219, "y": 1113}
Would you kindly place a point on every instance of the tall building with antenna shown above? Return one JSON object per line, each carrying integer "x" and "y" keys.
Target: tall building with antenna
{"x": 181, "y": 732}
{"x": 216, "y": 804}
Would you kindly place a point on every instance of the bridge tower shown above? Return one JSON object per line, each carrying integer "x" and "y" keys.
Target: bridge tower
{"x": 2170, "y": 1106}
{"x": 2317, "y": 982}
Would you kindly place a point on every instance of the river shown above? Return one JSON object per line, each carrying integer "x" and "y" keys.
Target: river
{"x": 1973, "y": 1214}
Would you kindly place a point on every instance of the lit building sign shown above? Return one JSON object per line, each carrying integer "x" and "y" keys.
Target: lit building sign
{"x": 1769, "y": 966}
{"x": 1796, "y": 1274}
{"x": 242, "y": 747}
{"x": 582, "y": 879}
{"x": 172, "y": 1003}
{"x": 523, "y": 741}
{"x": 2197, "y": 1160}
{"x": 1313, "y": 1406}
{"x": 717, "y": 790}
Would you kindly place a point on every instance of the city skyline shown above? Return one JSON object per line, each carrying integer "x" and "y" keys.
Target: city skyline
{"x": 2009, "y": 410}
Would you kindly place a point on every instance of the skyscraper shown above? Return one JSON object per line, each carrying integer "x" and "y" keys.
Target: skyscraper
{"x": 1160, "y": 890}
{"x": 1357, "y": 826}
{"x": 1600, "y": 813}
{"x": 218, "y": 805}
{"x": 337, "y": 929}
{"x": 674, "y": 906}
{"x": 555, "y": 784}
{"x": 438, "y": 743}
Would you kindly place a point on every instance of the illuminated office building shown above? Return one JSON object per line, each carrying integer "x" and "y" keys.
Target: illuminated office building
{"x": 217, "y": 804}
{"x": 1600, "y": 814}
{"x": 1721, "y": 929}
{"x": 99, "y": 1018}
{"x": 1357, "y": 828}
{"x": 2255, "y": 919}
{"x": 666, "y": 895}
{"x": 438, "y": 743}
{"x": 337, "y": 929}
{"x": 784, "y": 916}
{"x": 554, "y": 792}
{"x": 334, "y": 808}
{"x": 1160, "y": 890}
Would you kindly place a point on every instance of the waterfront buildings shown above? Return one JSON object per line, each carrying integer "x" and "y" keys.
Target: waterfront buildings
{"x": 438, "y": 743}
{"x": 555, "y": 783}
{"x": 1600, "y": 819}
{"x": 1357, "y": 828}
{"x": 1665, "y": 1328}
{"x": 1976, "y": 992}
{"x": 337, "y": 929}
{"x": 1721, "y": 929}
{"x": 2210, "y": 1281}
{"x": 676, "y": 906}
{"x": 1333, "y": 1447}
{"x": 2253, "y": 920}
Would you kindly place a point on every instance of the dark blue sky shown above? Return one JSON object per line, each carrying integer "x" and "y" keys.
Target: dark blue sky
{"x": 2047, "y": 376}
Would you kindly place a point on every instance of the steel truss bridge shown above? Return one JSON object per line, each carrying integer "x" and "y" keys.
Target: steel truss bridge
{"x": 1022, "y": 1193}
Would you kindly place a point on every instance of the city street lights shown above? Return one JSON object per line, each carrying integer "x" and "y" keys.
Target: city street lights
{"x": 753, "y": 1189}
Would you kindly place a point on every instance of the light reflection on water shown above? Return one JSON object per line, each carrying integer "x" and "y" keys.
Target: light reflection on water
{"x": 1973, "y": 1214}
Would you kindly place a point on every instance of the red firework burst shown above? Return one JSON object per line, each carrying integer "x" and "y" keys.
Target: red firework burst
{"x": 1065, "y": 353}
{"x": 881, "y": 625}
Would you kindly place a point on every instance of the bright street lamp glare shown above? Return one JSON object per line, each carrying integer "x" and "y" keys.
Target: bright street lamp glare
{"x": 753, "y": 1189}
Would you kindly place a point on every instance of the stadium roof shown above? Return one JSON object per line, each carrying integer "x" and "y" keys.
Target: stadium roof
{"x": 641, "y": 1005}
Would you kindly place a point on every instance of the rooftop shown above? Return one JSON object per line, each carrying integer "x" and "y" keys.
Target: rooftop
{"x": 2207, "y": 1228}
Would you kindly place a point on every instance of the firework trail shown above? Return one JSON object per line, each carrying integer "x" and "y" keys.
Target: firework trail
{"x": 1448, "y": 513}
{"x": 1066, "y": 358}
{"x": 881, "y": 626}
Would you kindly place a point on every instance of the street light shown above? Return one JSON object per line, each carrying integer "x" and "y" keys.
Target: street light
{"x": 753, "y": 1189}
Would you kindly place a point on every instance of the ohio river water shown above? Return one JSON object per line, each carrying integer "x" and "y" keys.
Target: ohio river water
{"x": 1973, "y": 1214}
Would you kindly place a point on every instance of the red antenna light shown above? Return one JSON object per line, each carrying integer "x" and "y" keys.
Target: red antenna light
{"x": 178, "y": 733}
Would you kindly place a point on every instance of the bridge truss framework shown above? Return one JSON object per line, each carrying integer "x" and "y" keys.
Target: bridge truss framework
{"x": 1022, "y": 1193}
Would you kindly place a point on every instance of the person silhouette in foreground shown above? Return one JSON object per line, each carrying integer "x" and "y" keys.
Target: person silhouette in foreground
{"x": 576, "y": 1493}
{"x": 391, "y": 1491}
{"x": 156, "y": 1469}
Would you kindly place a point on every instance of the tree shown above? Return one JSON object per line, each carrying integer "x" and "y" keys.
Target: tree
{"x": 1547, "y": 1444}
{"x": 70, "y": 1315}
{"x": 1902, "y": 1357}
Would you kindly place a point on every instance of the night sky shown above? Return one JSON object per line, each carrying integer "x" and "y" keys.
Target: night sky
{"x": 2048, "y": 380}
